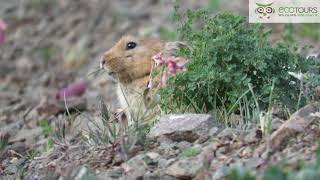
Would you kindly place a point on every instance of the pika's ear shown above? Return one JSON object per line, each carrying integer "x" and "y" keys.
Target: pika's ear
{"x": 171, "y": 48}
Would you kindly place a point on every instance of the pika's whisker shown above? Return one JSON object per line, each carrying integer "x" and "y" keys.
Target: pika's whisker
{"x": 96, "y": 72}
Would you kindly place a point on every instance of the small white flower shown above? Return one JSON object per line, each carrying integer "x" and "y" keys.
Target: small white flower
{"x": 316, "y": 114}
{"x": 298, "y": 76}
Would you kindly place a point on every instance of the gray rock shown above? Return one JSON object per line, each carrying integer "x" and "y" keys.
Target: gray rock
{"x": 185, "y": 168}
{"x": 207, "y": 153}
{"x": 24, "y": 64}
{"x": 183, "y": 127}
{"x": 163, "y": 163}
{"x": 230, "y": 133}
{"x": 220, "y": 173}
{"x": 80, "y": 173}
{"x": 276, "y": 123}
{"x": 153, "y": 155}
{"x": 157, "y": 176}
{"x": 213, "y": 131}
{"x": 11, "y": 169}
{"x": 166, "y": 143}
{"x": 253, "y": 162}
{"x": 112, "y": 174}
{"x": 297, "y": 123}
{"x": 136, "y": 167}
{"x": 183, "y": 145}
{"x": 167, "y": 146}
{"x": 253, "y": 136}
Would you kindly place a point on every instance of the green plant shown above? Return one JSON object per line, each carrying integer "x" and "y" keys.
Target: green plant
{"x": 41, "y": 4}
{"x": 309, "y": 84}
{"x": 119, "y": 129}
{"x": 47, "y": 131}
{"x": 276, "y": 173}
{"x": 289, "y": 33}
{"x": 191, "y": 152}
{"x": 4, "y": 140}
{"x": 32, "y": 154}
{"x": 225, "y": 56}
{"x": 266, "y": 120}
{"x": 238, "y": 172}
{"x": 108, "y": 132}
{"x": 46, "y": 54}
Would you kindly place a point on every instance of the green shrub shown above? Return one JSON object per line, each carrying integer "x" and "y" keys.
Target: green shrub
{"x": 191, "y": 152}
{"x": 239, "y": 172}
{"x": 226, "y": 55}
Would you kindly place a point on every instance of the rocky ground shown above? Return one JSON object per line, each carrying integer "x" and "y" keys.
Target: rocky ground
{"x": 52, "y": 45}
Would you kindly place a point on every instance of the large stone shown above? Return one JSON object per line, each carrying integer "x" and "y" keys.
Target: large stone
{"x": 183, "y": 127}
{"x": 297, "y": 123}
{"x": 185, "y": 168}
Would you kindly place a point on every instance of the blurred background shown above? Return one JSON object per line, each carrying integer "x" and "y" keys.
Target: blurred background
{"x": 52, "y": 43}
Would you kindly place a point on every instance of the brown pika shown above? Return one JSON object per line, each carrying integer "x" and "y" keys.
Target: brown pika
{"x": 130, "y": 62}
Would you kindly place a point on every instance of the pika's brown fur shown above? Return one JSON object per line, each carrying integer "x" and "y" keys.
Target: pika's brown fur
{"x": 130, "y": 62}
{"x": 132, "y": 66}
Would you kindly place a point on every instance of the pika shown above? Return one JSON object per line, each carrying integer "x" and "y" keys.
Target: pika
{"x": 130, "y": 62}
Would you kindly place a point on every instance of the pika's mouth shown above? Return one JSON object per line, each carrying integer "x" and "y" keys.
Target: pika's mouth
{"x": 102, "y": 66}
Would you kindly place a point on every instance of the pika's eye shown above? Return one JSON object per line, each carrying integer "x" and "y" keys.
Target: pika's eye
{"x": 131, "y": 45}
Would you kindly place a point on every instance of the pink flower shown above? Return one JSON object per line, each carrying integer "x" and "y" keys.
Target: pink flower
{"x": 72, "y": 90}
{"x": 158, "y": 59}
{"x": 172, "y": 64}
{"x": 149, "y": 85}
{"x": 172, "y": 67}
{"x": 3, "y": 27}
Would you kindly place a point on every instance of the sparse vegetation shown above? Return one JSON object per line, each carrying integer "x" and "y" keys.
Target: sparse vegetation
{"x": 41, "y": 4}
{"x": 47, "y": 131}
{"x": 116, "y": 129}
{"x": 191, "y": 152}
{"x": 4, "y": 139}
{"x": 238, "y": 172}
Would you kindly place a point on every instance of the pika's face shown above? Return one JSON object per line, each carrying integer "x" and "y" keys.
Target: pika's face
{"x": 130, "y": 58}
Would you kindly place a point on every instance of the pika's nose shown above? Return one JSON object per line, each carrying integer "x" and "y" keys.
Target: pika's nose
{"x": 102, "y": 62}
